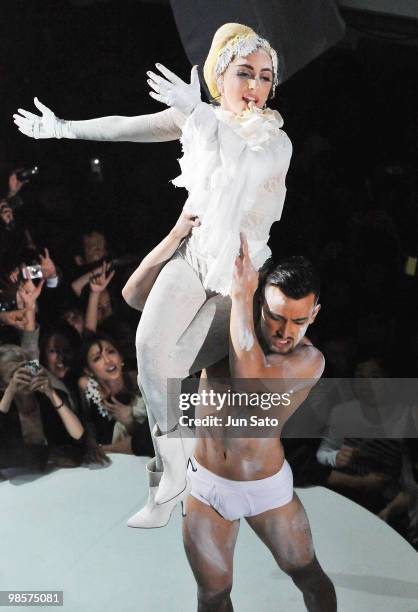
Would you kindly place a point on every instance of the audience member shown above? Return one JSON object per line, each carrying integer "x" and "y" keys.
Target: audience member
{"x": 111, "y": 400}
{"x": 37, "y": 423}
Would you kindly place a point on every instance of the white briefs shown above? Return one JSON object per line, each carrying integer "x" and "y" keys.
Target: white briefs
{"x": 235, "y": 499}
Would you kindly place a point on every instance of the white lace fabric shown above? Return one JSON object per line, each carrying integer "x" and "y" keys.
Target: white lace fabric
{"x": 234, "y": 168}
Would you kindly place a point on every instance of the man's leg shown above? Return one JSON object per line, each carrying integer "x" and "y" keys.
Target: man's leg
{"x": 287, "y": 534}
{"x": 209, "y": 542}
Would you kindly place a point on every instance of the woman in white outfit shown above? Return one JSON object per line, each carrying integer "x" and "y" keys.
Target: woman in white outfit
{"x": 234, "y": 164}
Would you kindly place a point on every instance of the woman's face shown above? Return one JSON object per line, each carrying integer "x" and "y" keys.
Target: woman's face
{"x": 246, "y": 79}
{"x": 58, "y": 354}
{"x": 104, "y": 361}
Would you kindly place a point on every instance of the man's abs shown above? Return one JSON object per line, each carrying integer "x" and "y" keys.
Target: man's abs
{"x": 240, "y": 459}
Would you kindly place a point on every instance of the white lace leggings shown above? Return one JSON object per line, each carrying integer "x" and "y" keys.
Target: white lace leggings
{"x": 183, "y": 329}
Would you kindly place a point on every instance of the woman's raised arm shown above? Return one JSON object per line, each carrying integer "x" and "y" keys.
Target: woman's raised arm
{"x": 156, "y": 127}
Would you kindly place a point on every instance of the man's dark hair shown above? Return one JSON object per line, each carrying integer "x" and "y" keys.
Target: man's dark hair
{"x": 295, "y": 276}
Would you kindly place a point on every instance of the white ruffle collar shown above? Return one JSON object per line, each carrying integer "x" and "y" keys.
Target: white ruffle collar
{"x": 254, "y": 125}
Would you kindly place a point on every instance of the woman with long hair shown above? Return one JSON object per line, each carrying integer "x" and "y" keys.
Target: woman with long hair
{"x": 112, "y": 405}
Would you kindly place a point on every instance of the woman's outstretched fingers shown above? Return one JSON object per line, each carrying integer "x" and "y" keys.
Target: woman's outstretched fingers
{"x": 168, "y": 74}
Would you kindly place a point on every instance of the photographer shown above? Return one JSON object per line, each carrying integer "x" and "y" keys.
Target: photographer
{"x": 38, "y": 395}
{"x": 37, "y": 424}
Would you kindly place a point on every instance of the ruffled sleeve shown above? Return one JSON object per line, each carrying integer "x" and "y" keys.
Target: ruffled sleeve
{"x": 200, "y": 150}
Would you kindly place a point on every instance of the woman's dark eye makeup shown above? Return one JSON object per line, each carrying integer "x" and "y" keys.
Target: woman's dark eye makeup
{"x": 249, "y": 76}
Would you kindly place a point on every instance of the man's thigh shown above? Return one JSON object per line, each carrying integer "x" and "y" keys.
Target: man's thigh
{"x": 286, "y": 532}
{"x": 209, "y": 542}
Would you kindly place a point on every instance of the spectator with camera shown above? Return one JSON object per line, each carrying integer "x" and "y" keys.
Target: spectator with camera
{"x": 37, "y": 423}
{"x": 37, "y": 395}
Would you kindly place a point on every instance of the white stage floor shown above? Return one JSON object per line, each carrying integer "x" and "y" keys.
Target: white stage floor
{"x": 66, "y": 531}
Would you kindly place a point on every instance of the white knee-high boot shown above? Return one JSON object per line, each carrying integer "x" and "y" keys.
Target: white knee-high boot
{"x": 175, "y": 449}
{"x": 153, "y": 515}
{"x": 179, "y": 330}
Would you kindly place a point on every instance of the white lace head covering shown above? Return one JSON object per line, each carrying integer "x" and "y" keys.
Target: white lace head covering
{"x": 230, "y": 41}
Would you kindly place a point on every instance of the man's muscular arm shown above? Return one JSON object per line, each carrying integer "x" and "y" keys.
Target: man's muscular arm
{"x": 140, "y": 283}
{"x": 247, "y": 358}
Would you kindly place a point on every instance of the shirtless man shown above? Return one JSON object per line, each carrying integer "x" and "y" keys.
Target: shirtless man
{"x": 276, "y": 350}
{"x": 234, "y": 478}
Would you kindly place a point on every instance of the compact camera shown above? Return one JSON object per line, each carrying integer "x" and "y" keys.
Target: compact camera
{"x": 34, "y": 272}
{"x": 33, "y": 366}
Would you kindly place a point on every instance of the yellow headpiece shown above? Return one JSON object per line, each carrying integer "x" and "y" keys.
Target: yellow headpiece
{"x": 233, "y": 40}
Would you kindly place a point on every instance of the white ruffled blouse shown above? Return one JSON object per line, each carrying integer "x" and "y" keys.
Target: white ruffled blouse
{"x": 234, "y": 168}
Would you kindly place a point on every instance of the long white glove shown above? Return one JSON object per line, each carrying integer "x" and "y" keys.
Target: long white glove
{"x": 173, "y": 91}
{"x": 45, "y": 126}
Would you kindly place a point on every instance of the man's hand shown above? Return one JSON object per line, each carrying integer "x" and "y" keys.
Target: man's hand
{"x": 120, "y": 412}
{"x": 184, "y": 225}
{"x": 100, "y": 280}
{"x": 47, "y": 265}
{"x": 28, "y": 292}
{"x": 245, "y": 277}
{"x": 14, "y": 184}
{"x": 346, "y": 456}
{"x": 175, "y": 92}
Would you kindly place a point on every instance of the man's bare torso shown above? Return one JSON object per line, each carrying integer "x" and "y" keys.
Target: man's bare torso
{"x": 220, "y": 450}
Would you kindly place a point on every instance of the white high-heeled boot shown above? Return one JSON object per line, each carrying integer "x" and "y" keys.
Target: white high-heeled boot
{"x": 153, "y": 515}
{"x": 175, "y": 451}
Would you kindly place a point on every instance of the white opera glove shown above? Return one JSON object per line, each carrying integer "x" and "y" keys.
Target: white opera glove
{"x": 46, "y": 126}
{"x": 175, "y": 92}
